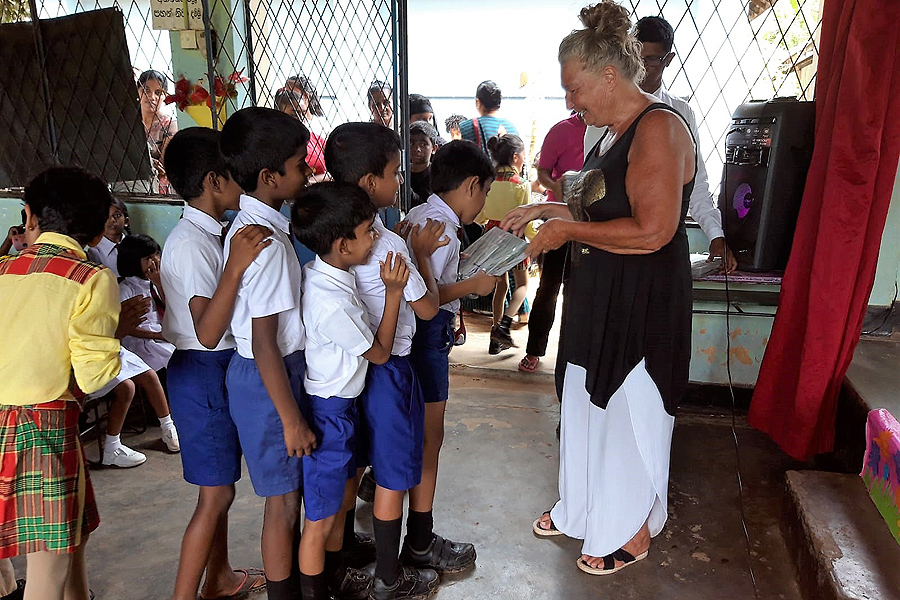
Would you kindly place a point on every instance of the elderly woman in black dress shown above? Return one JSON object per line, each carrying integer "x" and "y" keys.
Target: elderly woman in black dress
{"x": 625, "y": 344}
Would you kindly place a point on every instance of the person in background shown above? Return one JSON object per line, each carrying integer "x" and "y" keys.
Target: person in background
{"x": 299, "y": 99}
{"x": 561, "y": 151}
{"x": 106, "y": 251}
{"x": 15, "y": 238}
{"x": 451, "y": 123}
{"x": 657, "y": 40}
{"x": 159, "y": 127}
{"x": 420, "y": 110}
{"x": 508, "y": 191}
{"x": 487, "y": 102}
{"x": 139, "y": 273}
{"x": 380, "y": 97}
{"x": 422, "y": 146}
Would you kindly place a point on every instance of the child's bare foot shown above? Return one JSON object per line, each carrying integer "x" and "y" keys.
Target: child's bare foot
{"x": 242, "y": 582}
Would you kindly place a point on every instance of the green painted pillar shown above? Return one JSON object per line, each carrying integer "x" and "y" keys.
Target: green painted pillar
{"x": 887, "y": 274}
{"x": 230, "y": 55}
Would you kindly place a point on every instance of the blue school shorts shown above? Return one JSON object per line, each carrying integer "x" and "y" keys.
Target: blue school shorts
{"x": 272, "y": 471}
{"x": 394, "y": 418}
{"x": 210, "y": 448}
{"x": 332, "y": 463}
{"x": 431, "y": 355}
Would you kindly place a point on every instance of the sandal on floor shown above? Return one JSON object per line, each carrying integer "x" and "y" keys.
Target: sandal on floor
{"x": 538, "y": 530}
{"x": 609, "y": 562}
{"x": 254, "y": 581}
{"x": 529, "y": 364}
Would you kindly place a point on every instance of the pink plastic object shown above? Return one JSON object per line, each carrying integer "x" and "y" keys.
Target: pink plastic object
{"x": 881, "y": 466}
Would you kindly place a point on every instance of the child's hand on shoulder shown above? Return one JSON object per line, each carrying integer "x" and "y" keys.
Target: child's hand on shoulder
{"x": 246, "y": 244}
{"x": 394, "y": 272}
{"x": 402, "y": 228}
{"x": 482, "y": 283}
{"x": 428, "y": 238}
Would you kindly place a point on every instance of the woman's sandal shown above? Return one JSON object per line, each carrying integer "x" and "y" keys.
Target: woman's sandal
{"x": 254, "y": 581}
{"x": 529, "y": 364}
{"x": 609, "y": 562}
{"x": 538, "y": 530}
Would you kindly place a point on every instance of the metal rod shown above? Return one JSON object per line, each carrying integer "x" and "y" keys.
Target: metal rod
{"x": 251, "y": 62}
{"x": 401, "y": 98}
{"x": 210, "y": 62}
{"x": 723, "y": 313}
{"x": 45, "y": 80}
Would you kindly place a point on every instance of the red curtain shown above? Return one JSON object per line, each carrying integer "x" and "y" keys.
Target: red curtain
{"x": 830, "y": 274}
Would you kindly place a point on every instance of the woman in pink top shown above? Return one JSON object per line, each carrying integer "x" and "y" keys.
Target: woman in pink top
{"x": 562, "y": 150}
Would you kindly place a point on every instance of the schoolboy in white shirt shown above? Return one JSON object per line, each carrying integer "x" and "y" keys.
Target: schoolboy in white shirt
{"x": 392, "y": 409}
{"x": 461, "y": 175}
{"x": 265, "y": 152}
{"x": 335, "y": 220}
{"x": 200, "y": 295}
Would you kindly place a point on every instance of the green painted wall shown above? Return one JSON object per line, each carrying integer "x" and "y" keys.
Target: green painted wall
{"x": 887, "y": 276}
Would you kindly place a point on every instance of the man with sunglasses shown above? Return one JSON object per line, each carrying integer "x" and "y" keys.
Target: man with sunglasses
{"x": 657, "y": 39}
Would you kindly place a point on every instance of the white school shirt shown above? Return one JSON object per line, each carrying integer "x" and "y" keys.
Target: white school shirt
{"x": 445, "y": 260}
{"x": 337, "y": 332}
{"x": 270, "y": 285}
{"x": 191, "y": 265}
{"x": 371, "y": 287}
{"x": 156, "y": 353}
{"x": 703, "y": 207}
{"x": 105, "y": 253}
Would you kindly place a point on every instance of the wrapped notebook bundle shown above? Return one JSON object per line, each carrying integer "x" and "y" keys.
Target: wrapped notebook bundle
{"x": 496, "y": 252}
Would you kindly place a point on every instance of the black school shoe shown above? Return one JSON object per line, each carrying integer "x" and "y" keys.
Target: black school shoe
{"x": 412, "y": 584}
{"x": 366, "y": 491}
{"x": 18, "y": 593}
{"x": 355, "y": 585}
{"x": 361, "y": 553}
{"x": 442, "y": 555}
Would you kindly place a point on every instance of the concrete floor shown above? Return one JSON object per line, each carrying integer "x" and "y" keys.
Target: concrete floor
{"x": 498, "y": 473}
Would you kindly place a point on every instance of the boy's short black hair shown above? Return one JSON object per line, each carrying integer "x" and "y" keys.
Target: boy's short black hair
{"x": 656, "y": 30}
{"x": 354, "y": 150}
{"x": 258, "y": 138}
{"x": 452, "y": 122}
{"x": 191, "y": 154}
{"x": 489, "y": 94}
{"x": 132, "y": 249}
{"x": 329, "y": 211}
{"x": 455, "y": 162}
{"x": 69, "y": 201}
{"x": 424, "y": 128}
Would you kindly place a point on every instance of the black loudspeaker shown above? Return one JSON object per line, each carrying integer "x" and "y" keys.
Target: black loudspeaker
{"x": 767, "y": 154}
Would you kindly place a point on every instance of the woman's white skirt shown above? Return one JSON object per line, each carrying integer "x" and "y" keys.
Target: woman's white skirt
{"x": 614, "y": 462}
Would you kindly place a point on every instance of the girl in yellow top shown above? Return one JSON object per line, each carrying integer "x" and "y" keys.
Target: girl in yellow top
{"x": 508, "y": 191}
{"x": 58, "y": 319}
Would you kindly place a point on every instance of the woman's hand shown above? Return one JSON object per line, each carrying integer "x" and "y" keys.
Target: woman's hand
{"x": 550, "y": 236}
{"x": 518, "y": 218}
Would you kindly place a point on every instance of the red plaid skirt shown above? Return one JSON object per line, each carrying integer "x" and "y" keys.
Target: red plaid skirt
{"x": 46, "y": 498}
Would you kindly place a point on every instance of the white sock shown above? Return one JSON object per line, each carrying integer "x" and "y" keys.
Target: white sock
{"x": 166, "y": 422}
{"x": 112, "y": 443}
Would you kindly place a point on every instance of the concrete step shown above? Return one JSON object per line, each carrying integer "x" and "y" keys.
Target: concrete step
{"x": 841, "y": 546}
